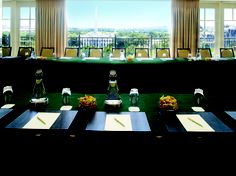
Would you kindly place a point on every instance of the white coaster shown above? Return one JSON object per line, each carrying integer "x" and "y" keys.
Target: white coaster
{"x": 198, "y": 109}
{"x": 134, "y": 109}
{"x": 8, "y": 106}
{"x": 66, "y": 108}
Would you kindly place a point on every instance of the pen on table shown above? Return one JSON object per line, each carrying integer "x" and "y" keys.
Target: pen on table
{"x": 41, "y": 120}
{"x": 195, "y": 122}
{"x": 119, "y": 122}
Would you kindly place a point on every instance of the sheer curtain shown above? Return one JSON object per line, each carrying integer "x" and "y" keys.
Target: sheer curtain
{"x": 185, "y": 25}
{"x": 50, "y": 25}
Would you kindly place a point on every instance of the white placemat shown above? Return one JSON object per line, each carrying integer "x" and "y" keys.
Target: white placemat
{"x": 42, "y": 120}
{"x": 118, "y": 122}
{"x": 194, "y": 122}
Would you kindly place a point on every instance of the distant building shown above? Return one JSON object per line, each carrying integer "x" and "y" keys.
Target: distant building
{"x": 230, "y": 32}
{"x": 96, "y": 39}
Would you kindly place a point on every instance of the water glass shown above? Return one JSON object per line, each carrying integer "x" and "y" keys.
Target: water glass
{"x": 134, "y": 97}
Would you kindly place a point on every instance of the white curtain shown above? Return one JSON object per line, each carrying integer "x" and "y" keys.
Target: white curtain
{"x": 50, "y": 25}
{"x": 185, "y": 25}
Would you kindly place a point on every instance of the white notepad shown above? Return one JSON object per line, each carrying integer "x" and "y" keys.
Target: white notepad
{"x": 117, "y": 122}
{"x": 194, "y": 122}
{"x": 42, "y": 120}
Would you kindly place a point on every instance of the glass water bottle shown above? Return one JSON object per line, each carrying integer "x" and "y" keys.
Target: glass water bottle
{"x": 39, "y": 89}
{"x": 113, "y": 90}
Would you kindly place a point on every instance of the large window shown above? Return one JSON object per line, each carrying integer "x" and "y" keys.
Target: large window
{"x": 230, "y": 27}
{"x": 207, "y": 28}
{"x": 117, "y": 23}
{"x": 27, "y": 26}
{"x": 6, "y": 26}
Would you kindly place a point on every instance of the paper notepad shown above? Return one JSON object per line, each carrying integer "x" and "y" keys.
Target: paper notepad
{"x": 194, "y": 122}
{"x": 42, "y": 120}
{"x": 117, "y": 122}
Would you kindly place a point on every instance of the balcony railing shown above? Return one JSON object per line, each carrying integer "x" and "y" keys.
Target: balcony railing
{"x": 119, "y": 42}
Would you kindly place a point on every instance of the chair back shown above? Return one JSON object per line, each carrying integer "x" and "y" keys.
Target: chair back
{"x": 183, "y": 52}
{"x": 162, "y": 52}
{"x": 71, "y": 52}
{"x": 95, "y": 52}
{"x": 141, "y": 52}
{"x": 226, "y": 52}
{"x": 6, "y": 51}
{"x": 25, "y": 51}
{"x": 116, "y": 52}
{"x": 205, "y": 52}
{"x": 47, "y": 51}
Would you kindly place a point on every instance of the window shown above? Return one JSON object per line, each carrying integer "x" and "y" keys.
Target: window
{"x": 6, "y": 26}
{"x": 117, "y": 23}
{"x": 230, "y": 27}
{"x": 207, "y": 28}
{"x": 27, "y": 26}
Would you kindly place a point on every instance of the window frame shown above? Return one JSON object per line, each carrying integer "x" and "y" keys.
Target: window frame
{"x": 219, "y": 20}
{"x": 29, "y": 29}
{"x": 15, "y": 21}
{"x": 226, "y": 6}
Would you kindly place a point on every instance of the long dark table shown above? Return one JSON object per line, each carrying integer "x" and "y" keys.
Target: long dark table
{"x": 178, "y": 75}
{"x": 148, "y": 103}
{"x": 75, "y": 141}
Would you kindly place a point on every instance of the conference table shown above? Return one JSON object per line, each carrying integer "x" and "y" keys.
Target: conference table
{"x": 147, "y": 74}
{"x": 153, "y": 78}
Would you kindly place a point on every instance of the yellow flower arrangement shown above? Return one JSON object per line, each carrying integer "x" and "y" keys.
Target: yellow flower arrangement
{"x": 130, "y": 58}
{"x": 168, "y": 103}
{"x": 87, "y": 102}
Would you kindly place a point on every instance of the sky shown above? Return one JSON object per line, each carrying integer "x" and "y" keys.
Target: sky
{"x": 118, "y": 14}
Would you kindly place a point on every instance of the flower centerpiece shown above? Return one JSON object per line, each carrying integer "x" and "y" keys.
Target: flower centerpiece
{"x": 130, "y": 58}
{"x": 169, "y": 106}
{"x": 87, "y": 103}
{"x": 168, "y": 103}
